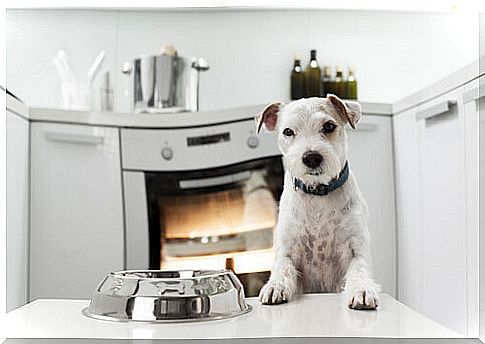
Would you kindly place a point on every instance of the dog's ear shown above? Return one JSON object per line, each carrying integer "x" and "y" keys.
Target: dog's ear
{"x": 351, "y": 111}
{"x": 268, "y": 117}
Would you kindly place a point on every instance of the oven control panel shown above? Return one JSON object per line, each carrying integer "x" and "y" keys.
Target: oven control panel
{"x": 195, "y": 148}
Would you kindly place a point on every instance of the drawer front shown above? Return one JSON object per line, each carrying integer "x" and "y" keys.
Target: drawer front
{"x": 77, "y": 212}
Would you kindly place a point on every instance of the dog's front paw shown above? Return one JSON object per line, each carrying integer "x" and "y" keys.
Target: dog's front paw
{"x": 364, "y": 299}
{"x": 274, "y": 293}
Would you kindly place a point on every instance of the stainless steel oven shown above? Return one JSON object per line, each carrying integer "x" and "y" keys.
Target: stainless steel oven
{"x": 202, "y": 197}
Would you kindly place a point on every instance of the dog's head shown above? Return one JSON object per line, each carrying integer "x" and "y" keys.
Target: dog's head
{"x": 311, "y": 135}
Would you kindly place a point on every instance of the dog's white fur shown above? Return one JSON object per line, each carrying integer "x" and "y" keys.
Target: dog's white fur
{"x": 322, "y": 242}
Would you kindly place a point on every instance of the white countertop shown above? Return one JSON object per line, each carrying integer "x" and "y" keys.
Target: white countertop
{"x": 170, "y": 120}
{"x": 16, "y": 106}
{"x": 309, "y": 316}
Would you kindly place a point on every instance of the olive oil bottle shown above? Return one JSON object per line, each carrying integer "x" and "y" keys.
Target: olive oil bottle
{"x": 327, "y": 82}
{"x": 339, "y": 83}
{"x": 351, "y": 85}
{"x": 296, "y": 79}
{"x": 312, "y": 77}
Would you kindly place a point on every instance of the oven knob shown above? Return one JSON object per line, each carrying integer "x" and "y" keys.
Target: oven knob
{"x": 167, "y": 153}
{"x": 253, "y": 142}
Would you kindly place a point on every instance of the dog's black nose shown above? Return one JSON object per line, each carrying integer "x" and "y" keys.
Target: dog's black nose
{"x": 312, "y": 159}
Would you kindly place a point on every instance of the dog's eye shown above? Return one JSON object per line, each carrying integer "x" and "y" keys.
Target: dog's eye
{"x": 288, "y": 132}
{"x": 328, "y": 127}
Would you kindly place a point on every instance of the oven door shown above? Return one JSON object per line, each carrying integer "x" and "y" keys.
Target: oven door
{"x": 214, "y": 218}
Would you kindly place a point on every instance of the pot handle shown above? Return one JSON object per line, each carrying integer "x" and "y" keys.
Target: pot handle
{"x": 200, "y": 65}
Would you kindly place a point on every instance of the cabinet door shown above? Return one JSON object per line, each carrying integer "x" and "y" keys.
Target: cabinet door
{"x": 370, "y": 157}
{"x": 77, "y": 218}
{"x": 17, "y": 210}
{"x": 443, "y": 226}
{"x": 472, "y": 102}
{"x": 481, "y": 112}
{"x": 408, "y": 203}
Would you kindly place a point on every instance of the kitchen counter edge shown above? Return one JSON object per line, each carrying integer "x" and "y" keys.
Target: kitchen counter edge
{"x": 170, "y": 120}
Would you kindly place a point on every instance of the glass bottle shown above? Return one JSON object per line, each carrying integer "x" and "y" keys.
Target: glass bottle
{"x": 296, "y": 79}
{"x": 351, "y": 85}
{"x": 312, "y": 77}
{"x": 339, "y": 84}
{"x": 327, "y": 82}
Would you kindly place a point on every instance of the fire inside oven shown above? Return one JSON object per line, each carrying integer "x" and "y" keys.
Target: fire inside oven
{"x": 217, "y": 218}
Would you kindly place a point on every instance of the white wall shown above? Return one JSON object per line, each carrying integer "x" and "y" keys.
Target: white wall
{"x": 250, "y": 52}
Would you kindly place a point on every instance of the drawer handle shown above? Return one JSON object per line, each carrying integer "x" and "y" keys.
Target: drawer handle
{"x": 437, "y": 110}
{"x": 80, "y": 139}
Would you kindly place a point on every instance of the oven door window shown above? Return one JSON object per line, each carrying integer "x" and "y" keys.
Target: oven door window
{"x": 218, "y": 219}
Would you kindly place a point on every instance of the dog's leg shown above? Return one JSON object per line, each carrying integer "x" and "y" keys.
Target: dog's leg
{"x": 282, "y": 284}
{"x": 360, "y": 287}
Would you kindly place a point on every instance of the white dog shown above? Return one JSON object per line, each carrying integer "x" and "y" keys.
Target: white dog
{"x": 322, "y": 241}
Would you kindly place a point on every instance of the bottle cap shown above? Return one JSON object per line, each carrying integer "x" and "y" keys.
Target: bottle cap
{"x": 339, "y": 69}
{"x": 297, "y": 57}
{"x": 326, "y": 70}
{"x": 313, "y": 53}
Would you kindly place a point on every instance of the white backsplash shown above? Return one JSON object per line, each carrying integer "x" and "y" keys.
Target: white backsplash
{"x": 250, "y": 51}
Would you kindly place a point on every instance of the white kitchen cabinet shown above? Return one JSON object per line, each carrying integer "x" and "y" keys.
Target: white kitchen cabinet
{"x": 407, "y": 155}
{"x": 443, "y": 225}
{"x": 481, "y": 112}
{"x": 436, "y": 152}
{"x": 17, "y": 210}
{"x": 473, "y": 101}
{"x": 76, "y": 210}
{"x": 371, "y": 159}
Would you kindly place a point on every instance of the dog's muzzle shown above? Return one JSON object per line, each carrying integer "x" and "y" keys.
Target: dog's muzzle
{"x": 312, "y": 159}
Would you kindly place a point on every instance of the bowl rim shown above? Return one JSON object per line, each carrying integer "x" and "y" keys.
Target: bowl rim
{"x": 208, "y": 274}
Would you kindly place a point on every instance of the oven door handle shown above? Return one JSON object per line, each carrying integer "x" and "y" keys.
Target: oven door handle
{"x": 214, "y": 181}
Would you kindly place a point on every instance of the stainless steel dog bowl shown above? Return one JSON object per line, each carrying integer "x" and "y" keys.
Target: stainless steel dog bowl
{"x": 168, "y": 296}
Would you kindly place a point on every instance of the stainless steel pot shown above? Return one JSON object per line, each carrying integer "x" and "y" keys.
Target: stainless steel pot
{"x": 168, "y": 296}
{"x": 162, "y": 83}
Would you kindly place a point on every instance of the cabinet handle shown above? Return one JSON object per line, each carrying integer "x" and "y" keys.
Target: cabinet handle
{"x": 80, "y": 139}
{"x": 437, "y": 110}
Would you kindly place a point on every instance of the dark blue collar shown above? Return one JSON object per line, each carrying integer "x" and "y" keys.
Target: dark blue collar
{"x": 323, "y": 189}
